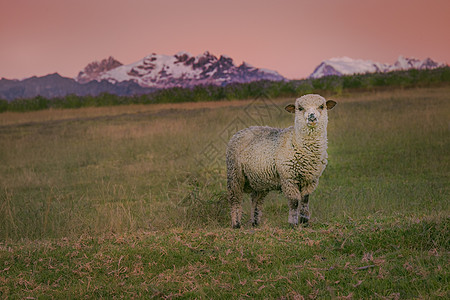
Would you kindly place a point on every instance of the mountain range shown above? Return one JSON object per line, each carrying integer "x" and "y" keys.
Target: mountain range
{"x": 347, "y": 66}
{"x": 179, "y": 70}
{"x": 144, "y": 76}
{"x": 155, "y": 72}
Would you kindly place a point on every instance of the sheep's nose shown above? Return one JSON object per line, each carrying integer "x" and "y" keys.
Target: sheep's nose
{"x": 312, "y": 118}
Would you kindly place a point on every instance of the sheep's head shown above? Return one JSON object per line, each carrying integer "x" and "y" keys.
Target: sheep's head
{"x": 310, "y": 110}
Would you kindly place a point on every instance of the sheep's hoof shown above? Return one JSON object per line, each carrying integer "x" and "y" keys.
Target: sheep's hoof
{"x": 304, "y": 220}
{"x": 236, "y": 226}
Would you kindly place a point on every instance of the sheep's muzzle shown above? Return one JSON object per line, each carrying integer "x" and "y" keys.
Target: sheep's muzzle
{"x": 312, "y": 120}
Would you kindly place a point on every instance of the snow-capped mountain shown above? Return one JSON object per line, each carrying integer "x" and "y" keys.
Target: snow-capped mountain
{"x": 348, "y": 66}
{"x": 179, "y": 70}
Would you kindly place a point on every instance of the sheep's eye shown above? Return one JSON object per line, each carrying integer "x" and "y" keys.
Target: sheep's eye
{"x": 300, "y": 108}
{"x": 321, "y": 107}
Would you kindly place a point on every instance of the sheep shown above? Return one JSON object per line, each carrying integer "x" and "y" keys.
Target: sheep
{"x": 261, "y": 159}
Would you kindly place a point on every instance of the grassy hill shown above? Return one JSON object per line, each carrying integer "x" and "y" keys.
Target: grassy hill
{"x": 130, "y": 201}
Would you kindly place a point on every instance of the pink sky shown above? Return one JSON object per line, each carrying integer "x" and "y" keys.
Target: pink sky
{"x": 38, "y": 37}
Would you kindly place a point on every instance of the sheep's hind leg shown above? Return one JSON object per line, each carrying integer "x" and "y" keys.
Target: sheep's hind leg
{"x": 236, "y": 209}
{"x": 257, "y": 201}
{"x": 304, "y": 210}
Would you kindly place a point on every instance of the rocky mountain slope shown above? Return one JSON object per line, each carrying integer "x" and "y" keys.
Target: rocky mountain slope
{"x": 95, "y": 69}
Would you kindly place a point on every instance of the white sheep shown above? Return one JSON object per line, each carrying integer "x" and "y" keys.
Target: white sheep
{"x": 261, "y": 159}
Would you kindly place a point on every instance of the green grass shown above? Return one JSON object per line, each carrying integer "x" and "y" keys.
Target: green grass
{"x": 375, "y": 257}
{"x": 131, "y": 202}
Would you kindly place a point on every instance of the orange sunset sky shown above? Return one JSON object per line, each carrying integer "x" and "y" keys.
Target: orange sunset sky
{"x": 38, "y": 37}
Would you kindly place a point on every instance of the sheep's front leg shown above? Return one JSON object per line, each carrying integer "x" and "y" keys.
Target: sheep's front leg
{"x": 293, "y": 212}
{"x": 292, "y": 192}
{"x": 257, "y": 201}
{"x": 304, "y": 210}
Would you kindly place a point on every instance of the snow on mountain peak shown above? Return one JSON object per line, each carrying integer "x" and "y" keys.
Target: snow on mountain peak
{"x": 348, "y": 66}
{"x": 182, "y": 70}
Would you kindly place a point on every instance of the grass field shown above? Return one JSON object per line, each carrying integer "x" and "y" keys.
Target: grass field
{"x": 130, "y": 201}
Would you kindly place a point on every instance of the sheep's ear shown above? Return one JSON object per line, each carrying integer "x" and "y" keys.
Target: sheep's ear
{"x": 330, "y": 104}
{"x": 290, "y": 108}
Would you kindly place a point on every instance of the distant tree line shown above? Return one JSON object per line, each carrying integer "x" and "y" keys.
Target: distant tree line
{"x": 329, "y": 85}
